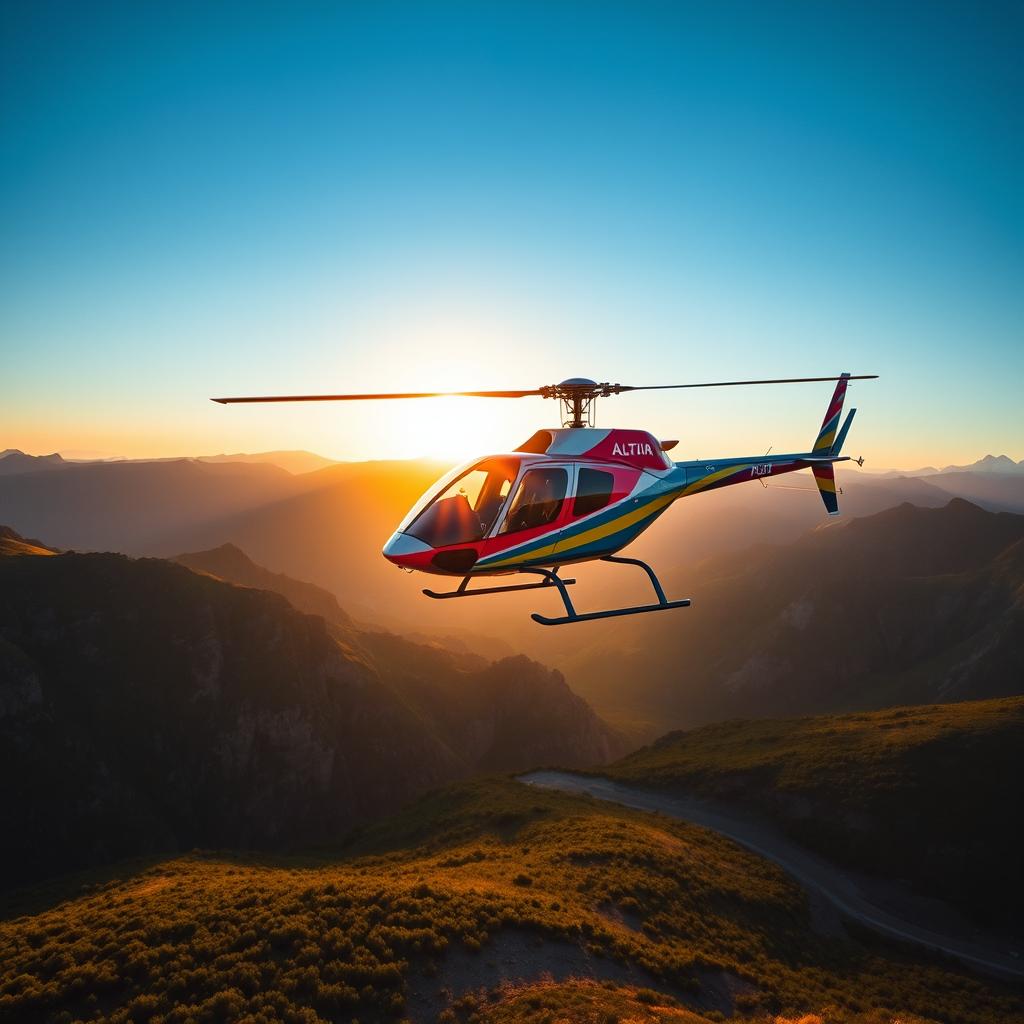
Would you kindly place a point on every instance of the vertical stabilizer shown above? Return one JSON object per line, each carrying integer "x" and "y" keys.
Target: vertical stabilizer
{"x": 830, "y": 424}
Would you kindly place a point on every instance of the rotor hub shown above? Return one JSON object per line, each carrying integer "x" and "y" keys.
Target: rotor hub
{"x": 578, "y": 396}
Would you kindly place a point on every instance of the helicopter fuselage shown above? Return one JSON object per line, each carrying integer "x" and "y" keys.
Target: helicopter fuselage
{"x": 566, "y": 496}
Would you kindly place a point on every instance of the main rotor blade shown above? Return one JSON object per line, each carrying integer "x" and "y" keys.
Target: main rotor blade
{"x": 363, "y": 398}
{"x": 736, "y": 383}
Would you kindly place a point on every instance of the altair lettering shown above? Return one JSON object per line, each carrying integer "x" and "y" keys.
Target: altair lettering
{"x": 632, "y": 448}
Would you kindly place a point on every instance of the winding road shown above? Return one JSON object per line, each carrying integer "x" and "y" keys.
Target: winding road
{"x": 851, "y": 898}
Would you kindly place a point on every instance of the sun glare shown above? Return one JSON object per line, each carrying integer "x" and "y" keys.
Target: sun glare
{"x": 453, "y": 429}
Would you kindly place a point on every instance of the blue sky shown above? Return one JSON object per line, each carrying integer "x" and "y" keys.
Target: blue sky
{"x": 216, "y": 199}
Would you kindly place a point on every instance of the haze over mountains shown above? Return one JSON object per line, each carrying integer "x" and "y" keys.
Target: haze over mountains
{"x": 292, "y": 461}
{"x": 910, "y": 605}
{"x": 327, "y": 527}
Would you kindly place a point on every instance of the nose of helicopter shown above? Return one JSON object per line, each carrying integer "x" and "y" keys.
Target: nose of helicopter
{"x": 400, "y": 548}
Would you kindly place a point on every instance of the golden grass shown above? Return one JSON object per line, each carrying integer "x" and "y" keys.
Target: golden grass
{"x": 344, "y": 935}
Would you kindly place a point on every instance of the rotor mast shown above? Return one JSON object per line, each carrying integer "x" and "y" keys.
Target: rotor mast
{"x": 578, "y": 396}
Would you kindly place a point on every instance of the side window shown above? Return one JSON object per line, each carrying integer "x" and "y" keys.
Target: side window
{"x": 593, "y": 491}
{"x": 538, "y": 500}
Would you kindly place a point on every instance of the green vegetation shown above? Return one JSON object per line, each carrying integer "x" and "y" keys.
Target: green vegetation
{"x": 372, "y": 931}
{"x": 924, "y": 793}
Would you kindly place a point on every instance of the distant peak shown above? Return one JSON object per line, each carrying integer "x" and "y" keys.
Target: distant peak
{"x": 230, "y": 549}
{"x": 988, "y": 464}
{"x": 229, "y": 552}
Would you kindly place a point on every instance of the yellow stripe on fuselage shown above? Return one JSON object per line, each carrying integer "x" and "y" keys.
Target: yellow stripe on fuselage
{"x": 713, "y": 478}
{"x": 622, "y": 522}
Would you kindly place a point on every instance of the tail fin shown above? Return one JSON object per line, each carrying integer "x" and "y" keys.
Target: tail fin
{"x": 825, "y": 478}
{"x": 830, "y": 424}
{"x": 829, "y": 444}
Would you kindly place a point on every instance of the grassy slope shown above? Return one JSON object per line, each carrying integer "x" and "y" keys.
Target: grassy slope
{"x": 212, "y": 937}
{"x": 920, "y": 792}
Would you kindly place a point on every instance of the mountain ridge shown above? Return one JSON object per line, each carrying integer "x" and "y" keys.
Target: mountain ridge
{"x": 906, "y": 606}
{"x": 148, "y": 707}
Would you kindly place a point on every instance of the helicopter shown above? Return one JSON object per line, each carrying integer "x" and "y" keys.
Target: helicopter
{"x": 577, "y": 493}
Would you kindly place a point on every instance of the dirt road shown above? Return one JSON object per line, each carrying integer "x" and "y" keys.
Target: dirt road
{"x": 852, "y": 898}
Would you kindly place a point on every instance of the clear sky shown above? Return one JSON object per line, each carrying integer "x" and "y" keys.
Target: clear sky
{"x": 204, "y": 199}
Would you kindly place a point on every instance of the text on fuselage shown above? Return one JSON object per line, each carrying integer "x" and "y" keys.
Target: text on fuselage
{"x": 632, "y": 448}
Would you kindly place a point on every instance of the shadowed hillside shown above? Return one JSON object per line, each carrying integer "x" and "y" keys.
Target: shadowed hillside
{"x": 145, "y": 707}
{"x": 485, "y": 902}
{"x": 908, "y": 606}
{"x": 494, "y": 715}
{"x": 926, "y": 793}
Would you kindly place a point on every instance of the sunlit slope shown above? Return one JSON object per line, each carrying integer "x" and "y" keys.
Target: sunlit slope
{"x": 147, "y": 707}
{"x": 477, "y": 886}
{"x": 908, "y": 606}
{"x": 923, "y": 793}
{"x": 12, "y": 543}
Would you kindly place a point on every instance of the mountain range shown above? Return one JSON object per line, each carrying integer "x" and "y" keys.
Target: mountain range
{"x": 327, "y": 527}
{"x": 148, "y": 707}
{"x": 910, "y": 605}
{"x": 13, "y": 460}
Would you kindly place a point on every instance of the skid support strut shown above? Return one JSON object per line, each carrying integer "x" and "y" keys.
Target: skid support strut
{"x": 571, "y": 615}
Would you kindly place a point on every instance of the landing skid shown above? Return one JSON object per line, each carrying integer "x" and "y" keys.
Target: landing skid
{"x": 462, "y": 590}
{"x": 552, "y": 579}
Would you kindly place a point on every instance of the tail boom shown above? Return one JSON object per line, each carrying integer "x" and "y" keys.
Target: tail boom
{"x": 825, "y": 452}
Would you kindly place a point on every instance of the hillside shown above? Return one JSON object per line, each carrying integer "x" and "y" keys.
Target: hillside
{"x": 486, "y": 902}
{"x": 908, "y": 606}
{"x": 230, "y": 563}
{"x": 504, "y": 714}
{"x": 146, "y": 707}
{"x": 12, "y": 543}
{"x": 919, "y": 793}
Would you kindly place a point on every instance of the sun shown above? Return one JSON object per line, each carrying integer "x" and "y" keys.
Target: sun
{"x": 453, "y": 429}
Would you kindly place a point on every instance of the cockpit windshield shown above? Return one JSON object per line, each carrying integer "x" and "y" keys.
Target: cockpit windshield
{"x": 465, "y": 505}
